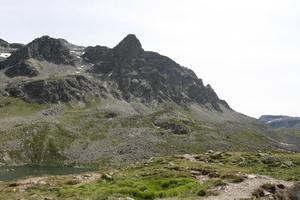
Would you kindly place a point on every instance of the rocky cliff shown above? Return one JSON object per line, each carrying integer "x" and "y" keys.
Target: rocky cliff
{"x": 137, "y": 75}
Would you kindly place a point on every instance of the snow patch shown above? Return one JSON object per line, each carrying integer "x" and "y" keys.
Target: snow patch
{"x": 285, "y": 144}
{"x": 275, "y": 120}
{"x": 5, "y": 55}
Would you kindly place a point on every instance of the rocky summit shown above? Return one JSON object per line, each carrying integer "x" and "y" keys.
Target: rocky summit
{"x": 125, "y": 71}
{"x": 62, "y": 103}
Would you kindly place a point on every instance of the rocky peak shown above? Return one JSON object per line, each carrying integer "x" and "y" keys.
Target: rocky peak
{"x": 44, "y": 48}
{"x": 129, "y": 46}
{"x": 129, "y": 73}
{"x": 151, "y": 77}
{"x": 3, "y": 43}
{"x": 123, "y": 57}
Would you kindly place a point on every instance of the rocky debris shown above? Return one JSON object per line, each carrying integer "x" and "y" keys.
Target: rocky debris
{"x": 271, "y": 191}
{"x": 170, "y": 125}
{"x": 270, "y": 160}
{"x": 87, "y": 178}
{"x": 287, "y": 164}
{"x": 45, "y": 48}
{"x": 66, "y": 89}
{"x": 22, "y": 69}
{"x": 216, "y": 155}
{"x": 258, "y": 187}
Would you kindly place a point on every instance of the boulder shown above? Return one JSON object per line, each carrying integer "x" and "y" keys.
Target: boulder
{"x": 294, "y": 192}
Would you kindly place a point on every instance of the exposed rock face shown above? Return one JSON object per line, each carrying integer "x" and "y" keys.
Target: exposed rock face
{"x": 95, "y": 54}
{"x": 128, "y": 72}
{"x": 22, "y": 69}
{"x": 44, "y": 49}
{"x": 281, "y": 121}
{"x": 70, "y": 88}
{"x": 152, "y": 77}
{"x": 3, "y": 43}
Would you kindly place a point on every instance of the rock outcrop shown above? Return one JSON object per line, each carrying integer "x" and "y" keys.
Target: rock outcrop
{"x": 25, "y": 68}
{"x": 45, "y": 48}
{"x": 4, "y": 43}
{"x": 66, "y": 89}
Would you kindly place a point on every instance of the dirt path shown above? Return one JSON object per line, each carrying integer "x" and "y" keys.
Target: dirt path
{"x": 244, "y": 190}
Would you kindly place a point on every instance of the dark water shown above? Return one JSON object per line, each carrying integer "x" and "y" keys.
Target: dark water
{"x": 14, "y": 173}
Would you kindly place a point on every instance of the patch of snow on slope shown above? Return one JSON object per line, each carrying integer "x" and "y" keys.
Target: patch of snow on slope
{"x": 275, "y": 120}
{"x": 5, "y": 55}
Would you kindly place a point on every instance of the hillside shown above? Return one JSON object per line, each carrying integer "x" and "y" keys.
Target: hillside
{"x": 281, "y": 121}
{"x": 62, "y": 103}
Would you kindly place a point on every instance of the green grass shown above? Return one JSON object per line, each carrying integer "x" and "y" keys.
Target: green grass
{"x": 165, "y": 177}
{"x": 138, "y": 189}
{"x": 10, "y": 107}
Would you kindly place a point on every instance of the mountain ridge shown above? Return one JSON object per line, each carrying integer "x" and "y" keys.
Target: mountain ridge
{"x": 281, "y": 121}
{"x": 136, "y": 73}
{"x": 66, "y": 104}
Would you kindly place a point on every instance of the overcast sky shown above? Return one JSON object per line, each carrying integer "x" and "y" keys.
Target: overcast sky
{"x": 249, "y": 51}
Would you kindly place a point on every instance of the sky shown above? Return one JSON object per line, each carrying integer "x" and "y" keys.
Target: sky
{"x": 249, "y": 51}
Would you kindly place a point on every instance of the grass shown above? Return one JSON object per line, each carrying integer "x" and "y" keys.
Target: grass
{"x": 166, "y": 177}
{"x": 10, "y": 107}
{"x": 139, "y": 189}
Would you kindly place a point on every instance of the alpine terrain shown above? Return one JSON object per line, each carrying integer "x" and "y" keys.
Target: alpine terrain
{"x": 63, "y": 104}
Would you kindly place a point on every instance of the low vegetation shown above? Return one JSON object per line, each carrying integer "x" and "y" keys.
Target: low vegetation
{"x": 179, "y": 177}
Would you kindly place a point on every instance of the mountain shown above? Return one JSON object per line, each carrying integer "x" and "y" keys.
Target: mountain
{"x": 6, "y": 49}
{"x": 136, "y": 75}
{"x": 64, "y": 103}
{"x": 281, "y": 121}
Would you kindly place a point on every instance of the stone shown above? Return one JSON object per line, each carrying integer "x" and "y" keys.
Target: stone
{"x": 269, "y": 160}
{"x": 288, "y": 163}
{"x": 251, "y": 176}
{"x": 216, "y": 155}
{"x": 107, "y": 177}
{"x": 294, "y": 192}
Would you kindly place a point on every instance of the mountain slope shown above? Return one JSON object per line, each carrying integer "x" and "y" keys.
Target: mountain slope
{"x": 281, "y": 121}
{"x": 121, "y": 104}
